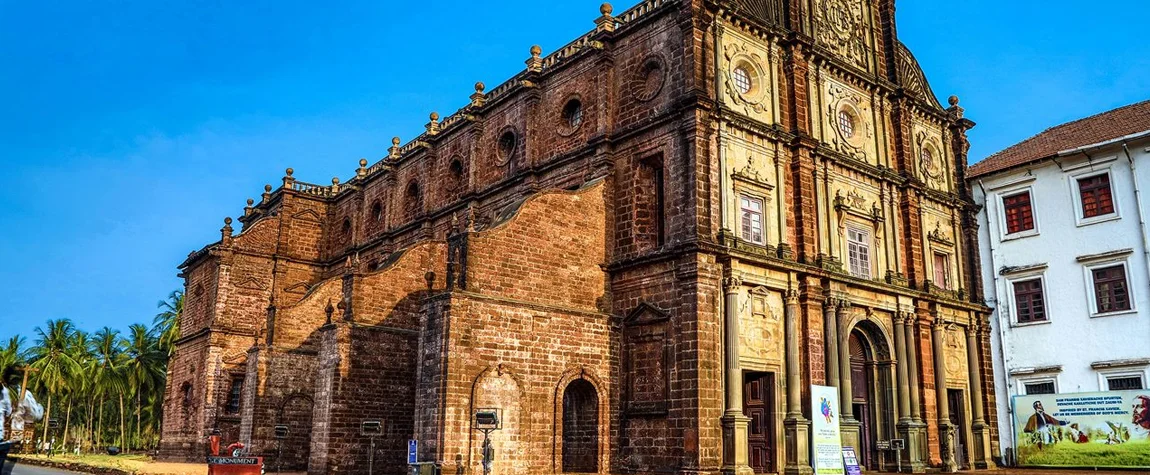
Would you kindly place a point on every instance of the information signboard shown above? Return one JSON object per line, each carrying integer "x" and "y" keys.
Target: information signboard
{"x": 826, "y": 439}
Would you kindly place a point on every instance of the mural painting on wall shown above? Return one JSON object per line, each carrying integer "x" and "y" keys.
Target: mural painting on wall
{"x": 1109, "y": 429}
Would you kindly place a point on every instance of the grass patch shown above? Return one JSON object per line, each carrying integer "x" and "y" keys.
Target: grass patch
{"x": 1093, "y": 454}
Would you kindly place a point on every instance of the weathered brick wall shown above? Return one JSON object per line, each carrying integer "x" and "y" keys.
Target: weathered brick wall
{"x": 365, "y": 374}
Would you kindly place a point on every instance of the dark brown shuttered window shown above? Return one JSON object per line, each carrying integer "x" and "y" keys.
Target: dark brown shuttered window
{"x": 1110, "y": 289}
{"x": 1040, "y": 388}
{"x": 1019, "y": 215}
{"x": 1029, "y": 302}
{"x": 1125, "y": 384}
{"x": 1096, "y": 197}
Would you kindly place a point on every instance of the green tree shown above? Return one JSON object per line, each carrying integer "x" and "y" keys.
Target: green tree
{"x": 13, "y": 356}
{"x": 52, "y": 357}
{"x": 108, "y": 376}
{"x": 166, "y": 324}
{"x": 144, "y": 367}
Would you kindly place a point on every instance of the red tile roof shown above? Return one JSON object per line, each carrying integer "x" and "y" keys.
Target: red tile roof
{"x": 1110, "y": 125}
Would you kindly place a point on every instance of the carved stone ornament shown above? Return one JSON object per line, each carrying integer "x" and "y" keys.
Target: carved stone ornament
{"x": 939, "y": 236}
{"x": 751, "y": 175}
{"x": 840, "y": 27}
{"x": 756, "y": 99}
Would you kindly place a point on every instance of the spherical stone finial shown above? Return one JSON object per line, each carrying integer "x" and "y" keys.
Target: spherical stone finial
{"x": 395, "y": 141}
{"x": 268, "y": 188}
{"x": 335, "y": 181}
{"x": 363, "y": 162}
{"x": 536, "y": 51}
{"x": 228, "y": 221}
{"x": 251, "y": 202}
{"x": 290, "y": 172}
{"x": 434, "y": 117}
{"x": 953, "y": 100}
{"x": 606, "y": 9}
{"x": 479, "y": 87}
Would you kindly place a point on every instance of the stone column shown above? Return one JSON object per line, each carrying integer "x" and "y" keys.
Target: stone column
{"x": 916, "y": 441}
{"x": 796, "y": 427}
{"x": 848, "y": 425}
{"x": 831, "y": 342}
{"x": 736, "y": 459}
{"x": 908, "y": 429}
{"x": 945, "y": 429}
{"x": 978, "y": 428}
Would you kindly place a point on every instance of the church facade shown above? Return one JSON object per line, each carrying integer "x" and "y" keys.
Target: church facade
{"x": 639, "y": 253}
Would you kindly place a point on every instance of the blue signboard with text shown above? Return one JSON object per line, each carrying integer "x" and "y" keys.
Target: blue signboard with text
{"x": 412, "y": 452}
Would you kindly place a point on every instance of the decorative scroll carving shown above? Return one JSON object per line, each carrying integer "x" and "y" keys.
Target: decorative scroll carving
{"x": 911, "y": 78}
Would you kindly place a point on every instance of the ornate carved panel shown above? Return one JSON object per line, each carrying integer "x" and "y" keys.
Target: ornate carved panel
{"x": 647, "y": 360}
{"x": 761, "y": 327}
{"x": 840, "y": 25}
{"x": 955, "y": 348}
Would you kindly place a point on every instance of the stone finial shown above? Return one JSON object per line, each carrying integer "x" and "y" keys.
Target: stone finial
{"x": 479, "y": 98}
{"x": 955, "y": 111}
{"x": 393, "y": 152}
{"x": 606, "y": 22}
{"x": 267, "y": 193}
{"x": 535, "y": 64}
{"x": 362, "y": 170}
{"x": 248, "y": 208}
{"x": 288, "y": 178}
{"x": 226, "y": 231}
{"x": 335, "y": 184}
{"x": 328, "y": 311}
{"x": 433, "y": 126}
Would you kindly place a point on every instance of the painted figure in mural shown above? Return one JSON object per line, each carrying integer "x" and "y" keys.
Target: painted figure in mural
{"x": 1077, "y": 436}
{"x": 1043, "y": 425}
{"x": 1142, "y": 412}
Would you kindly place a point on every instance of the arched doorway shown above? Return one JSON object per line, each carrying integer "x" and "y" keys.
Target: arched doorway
{"x": 873, "y": 392}
{"x": 580, "y": 428}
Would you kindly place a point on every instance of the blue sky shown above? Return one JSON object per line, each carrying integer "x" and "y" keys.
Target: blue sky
{"x": 131, "y": 128}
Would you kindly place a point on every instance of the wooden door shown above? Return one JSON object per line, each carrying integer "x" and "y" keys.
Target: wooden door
{"x": 958, "y": 418}
{"x": 759, "y": 405}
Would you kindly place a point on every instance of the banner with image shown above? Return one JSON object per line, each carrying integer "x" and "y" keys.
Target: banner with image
{"x": 827, "y": 442}
{"x": 1108, "y": 429}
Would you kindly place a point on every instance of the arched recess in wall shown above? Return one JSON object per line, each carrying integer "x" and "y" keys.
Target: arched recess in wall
{"x": 580, "y": 429}
{"x": 497, "y": 388}
{"x": 296, "y": 413}
{"x": 412, "y": 200}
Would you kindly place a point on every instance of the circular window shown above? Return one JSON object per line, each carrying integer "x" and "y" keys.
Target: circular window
{"x": 931, "y": 166}
{"x": 507, "y": 143}
{"x": 650, "y": 79}
{"x": 742, "y": 79}
{"x": 846, "y": 123}
{"x": 573, "y": 113}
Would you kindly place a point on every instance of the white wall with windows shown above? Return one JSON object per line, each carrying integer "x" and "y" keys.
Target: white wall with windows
{"x": 1065, "y": 267}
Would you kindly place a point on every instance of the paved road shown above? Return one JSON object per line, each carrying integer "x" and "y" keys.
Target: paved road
{"x": 25, "y": 469}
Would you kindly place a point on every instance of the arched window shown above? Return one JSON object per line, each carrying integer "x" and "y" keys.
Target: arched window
{"x": 186, "y": 395}
{"x": 580, "y": 428}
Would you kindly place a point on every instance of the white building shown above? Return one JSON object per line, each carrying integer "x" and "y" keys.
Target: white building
{"x": 1066, "y": 260}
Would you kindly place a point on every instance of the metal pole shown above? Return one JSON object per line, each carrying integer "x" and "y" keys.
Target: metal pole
{"x": 371, "y": 458}
{"x": 487, "y": 452}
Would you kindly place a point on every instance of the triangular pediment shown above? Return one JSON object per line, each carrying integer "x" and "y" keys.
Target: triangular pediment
{"x": 308, "y": 215}
{"x": 250, "y": 283}
{"x": 299, "y": 288}
{"x": 646, "y": 314}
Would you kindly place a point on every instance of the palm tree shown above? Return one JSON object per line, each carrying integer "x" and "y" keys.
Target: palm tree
{"x": 144, "y": 367}
{"x": 80, "y": 351}
{"x": 108, "y": 374}
{"x": 12, "y": 356}
{"x": 52, "y": 357}
{"x": 167, "y": 322}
